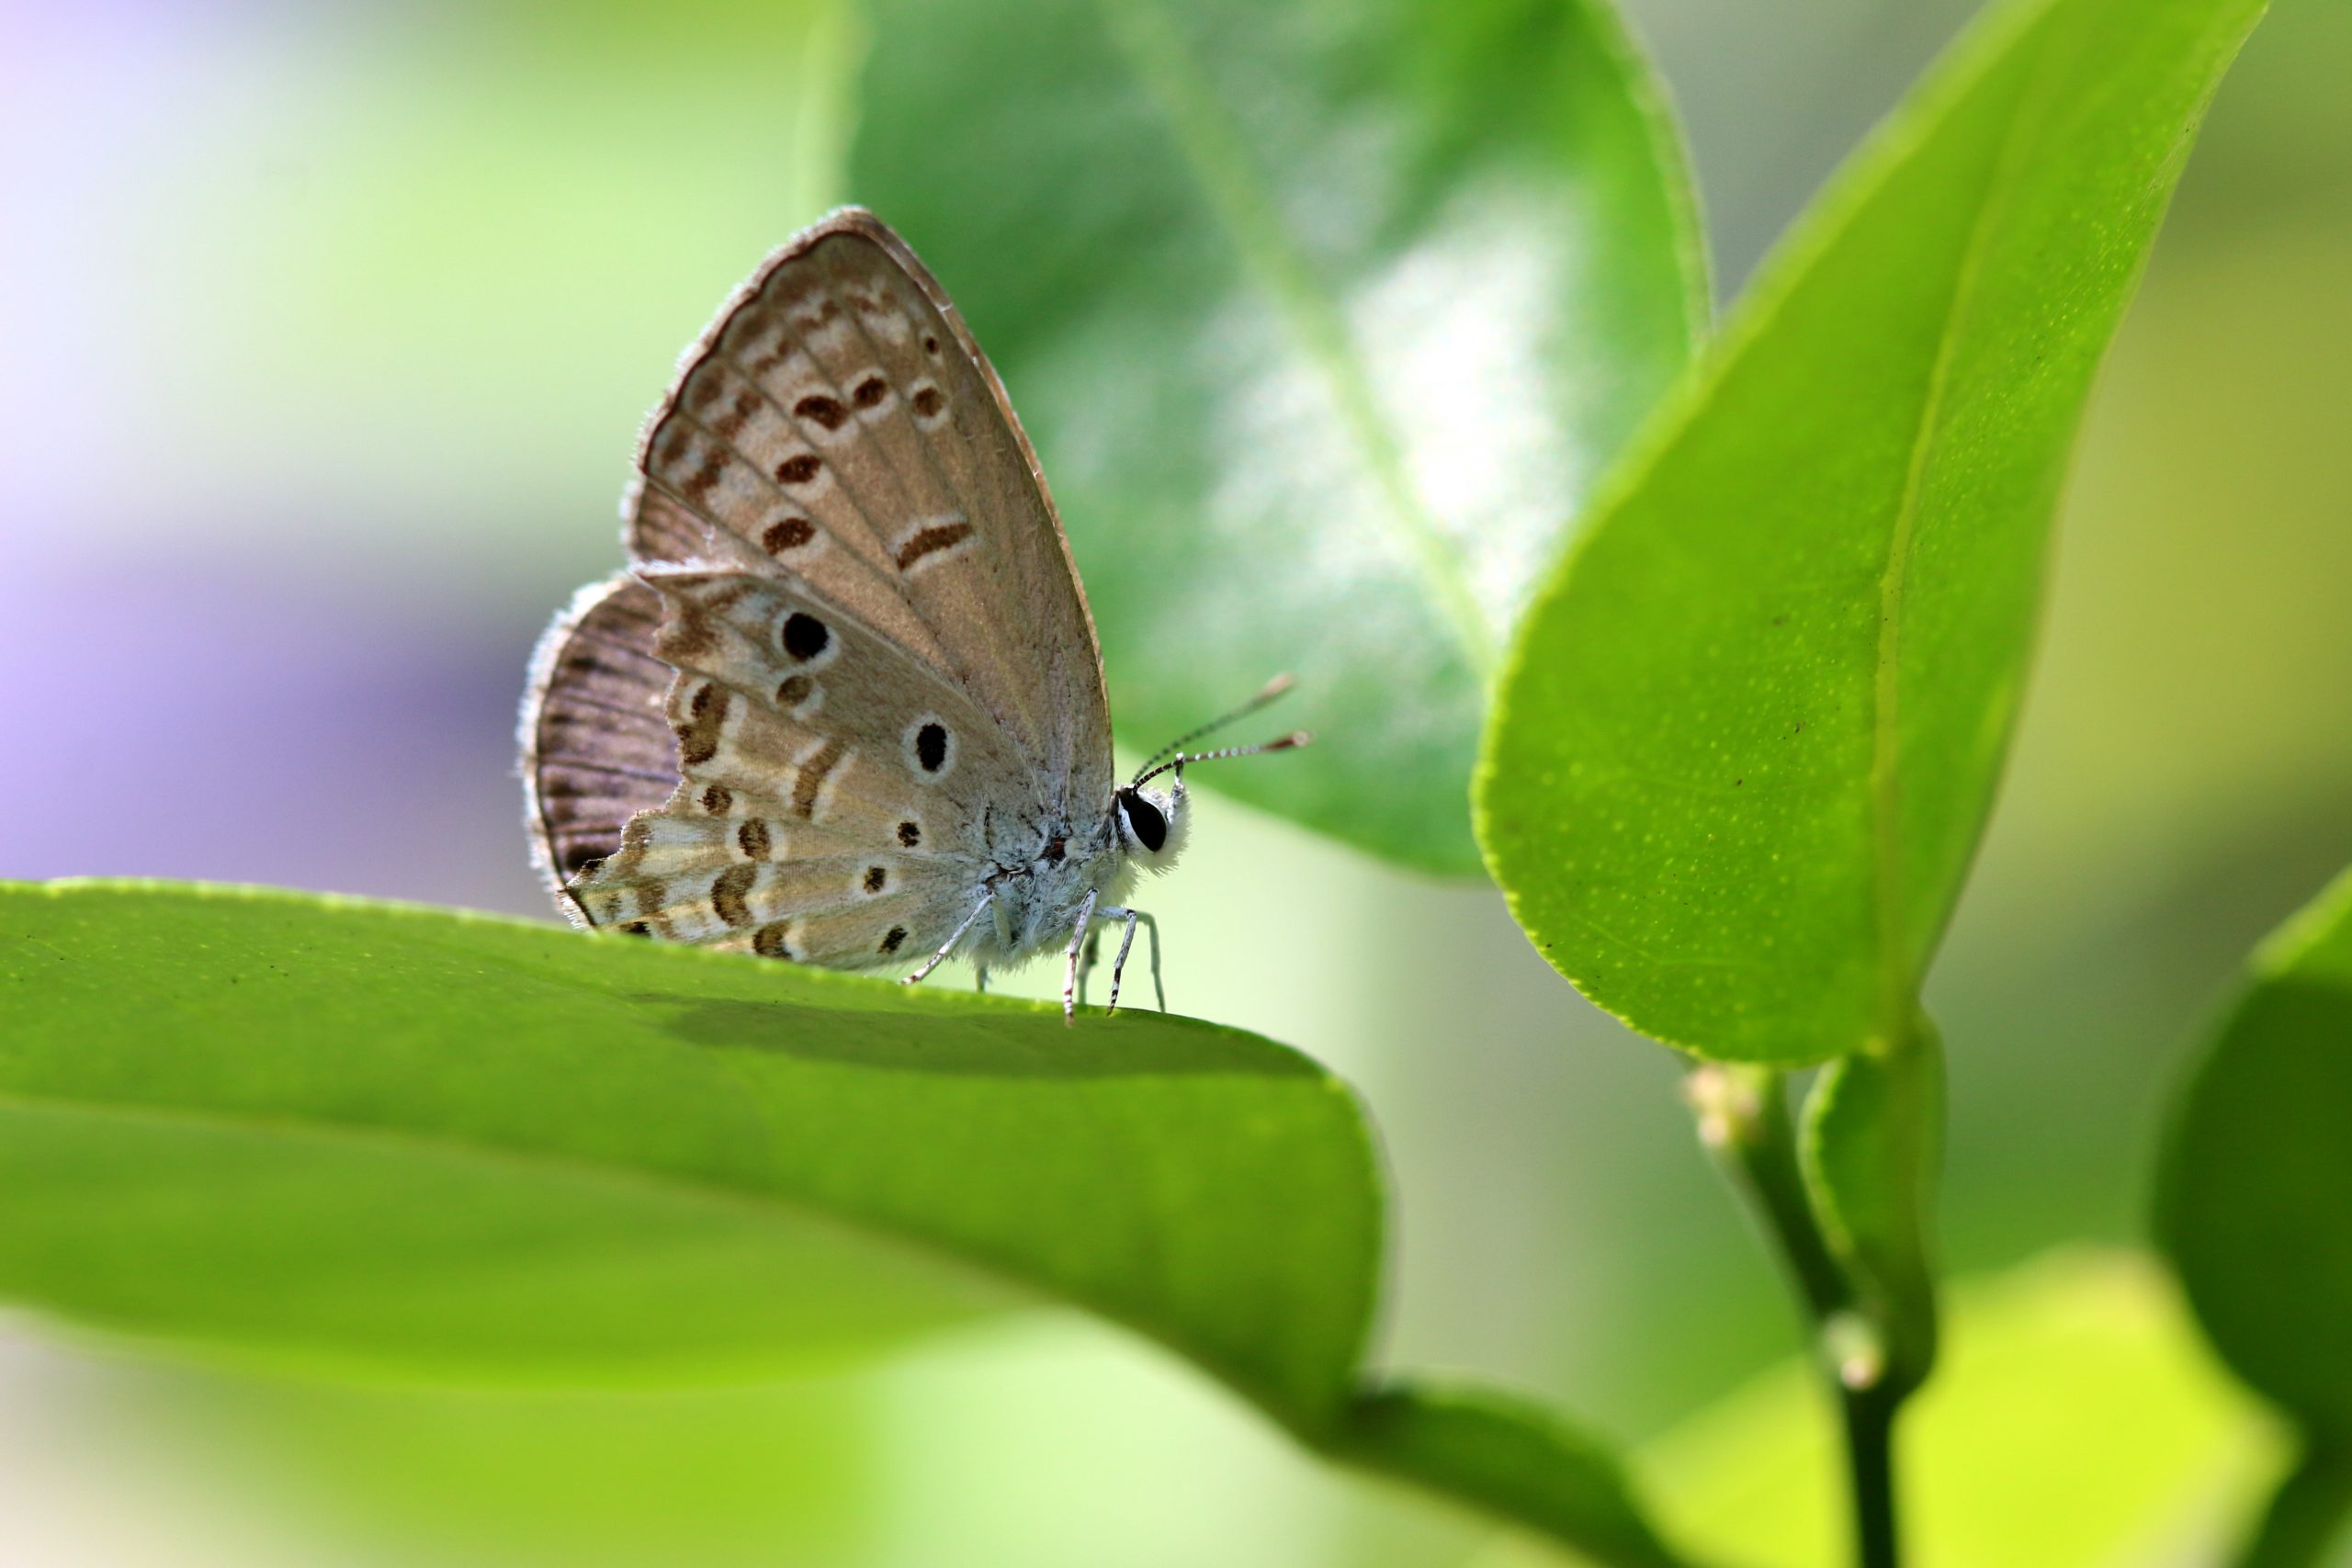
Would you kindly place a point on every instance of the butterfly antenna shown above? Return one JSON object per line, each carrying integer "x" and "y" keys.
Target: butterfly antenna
{"x": 1294, "y": 739}
{"x": 1267, "y": 694}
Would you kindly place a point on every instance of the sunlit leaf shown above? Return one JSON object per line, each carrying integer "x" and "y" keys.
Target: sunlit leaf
{"x": 1747, "y": 739}
{"x": 1324, "y": 319}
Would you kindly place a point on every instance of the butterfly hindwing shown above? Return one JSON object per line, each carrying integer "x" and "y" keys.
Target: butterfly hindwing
{"x": 832, "y": 787}
{"x": 596, "y": 742}
{"x": 756, "y": 884}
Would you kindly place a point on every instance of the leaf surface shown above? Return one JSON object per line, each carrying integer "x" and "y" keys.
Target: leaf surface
{"x": 397, "y": 1140}
{"x": 1510, "y": 1458}
{"x": 1746, "y": 742}
{"x": 1324, "y": 320}
{"x": 2255, "y": 1205}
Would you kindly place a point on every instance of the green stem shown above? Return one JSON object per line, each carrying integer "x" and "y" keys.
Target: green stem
{"x": 1870, "y": 1463}
{"x": 2310, "y": 1510}
{"x": 1744, "y": 1121}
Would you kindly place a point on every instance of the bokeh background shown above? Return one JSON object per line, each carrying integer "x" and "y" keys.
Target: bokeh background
{"x": 323, "y": 334}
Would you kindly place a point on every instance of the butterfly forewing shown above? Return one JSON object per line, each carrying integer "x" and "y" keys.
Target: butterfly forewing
{"x": 859, "y": 668}
{"x": 838, "y": 424}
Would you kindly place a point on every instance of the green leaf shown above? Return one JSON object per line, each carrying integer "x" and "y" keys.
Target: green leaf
{"x": 1510, "y": 1458}
{"x": 2252, "y": 1201}
{"x": 1872, "y": 1131}
{"x": 1324, "y": 320}
{"x": 1745, "y": 744}
{"x": 401, "y": 1143}
{"x": 397, "y": 1140}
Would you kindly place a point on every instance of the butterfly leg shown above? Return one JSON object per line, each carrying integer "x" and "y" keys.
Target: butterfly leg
{"x": 1077, "y": 943}
{"x": 948, "y": 946}
{"x": 1119, "y": 965}
{"x": 1087, "y": 962}
{"x": 981, "y": 978}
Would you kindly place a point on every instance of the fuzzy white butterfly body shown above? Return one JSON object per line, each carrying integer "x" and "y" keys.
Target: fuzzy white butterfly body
{"x": 847, "y": 708}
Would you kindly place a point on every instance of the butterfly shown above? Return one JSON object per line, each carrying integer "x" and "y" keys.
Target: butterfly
{"x": 846, "y": 708}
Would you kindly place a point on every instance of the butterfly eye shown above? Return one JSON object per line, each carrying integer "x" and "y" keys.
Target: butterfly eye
{"x": 1145, "y": 823}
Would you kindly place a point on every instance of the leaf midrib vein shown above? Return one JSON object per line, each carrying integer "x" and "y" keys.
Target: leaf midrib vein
{"x": 1897, "y": 988}
{"x": 1219, "y": 159}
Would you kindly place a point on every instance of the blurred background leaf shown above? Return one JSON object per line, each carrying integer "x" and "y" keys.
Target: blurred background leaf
{"x": 1747, "y": 743}
{"x": 1324, "y": 319}
{"x": 2253, "y": 1208}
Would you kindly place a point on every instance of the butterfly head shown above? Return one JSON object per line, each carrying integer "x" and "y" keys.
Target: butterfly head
{"x": 1151, "y": 825}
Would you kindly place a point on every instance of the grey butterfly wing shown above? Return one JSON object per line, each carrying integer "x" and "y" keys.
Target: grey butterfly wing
{"x": 884, "y": 663}
{"x": 838, "y": 427}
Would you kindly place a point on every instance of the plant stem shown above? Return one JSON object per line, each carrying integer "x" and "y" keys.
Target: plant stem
{"x": 1870, "y": 1464}
{"x": 1743, "y": 1115}
{"x": 2309, "y": 1511}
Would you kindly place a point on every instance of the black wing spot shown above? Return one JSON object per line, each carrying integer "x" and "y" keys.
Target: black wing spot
{"x": 805, "y": 636}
